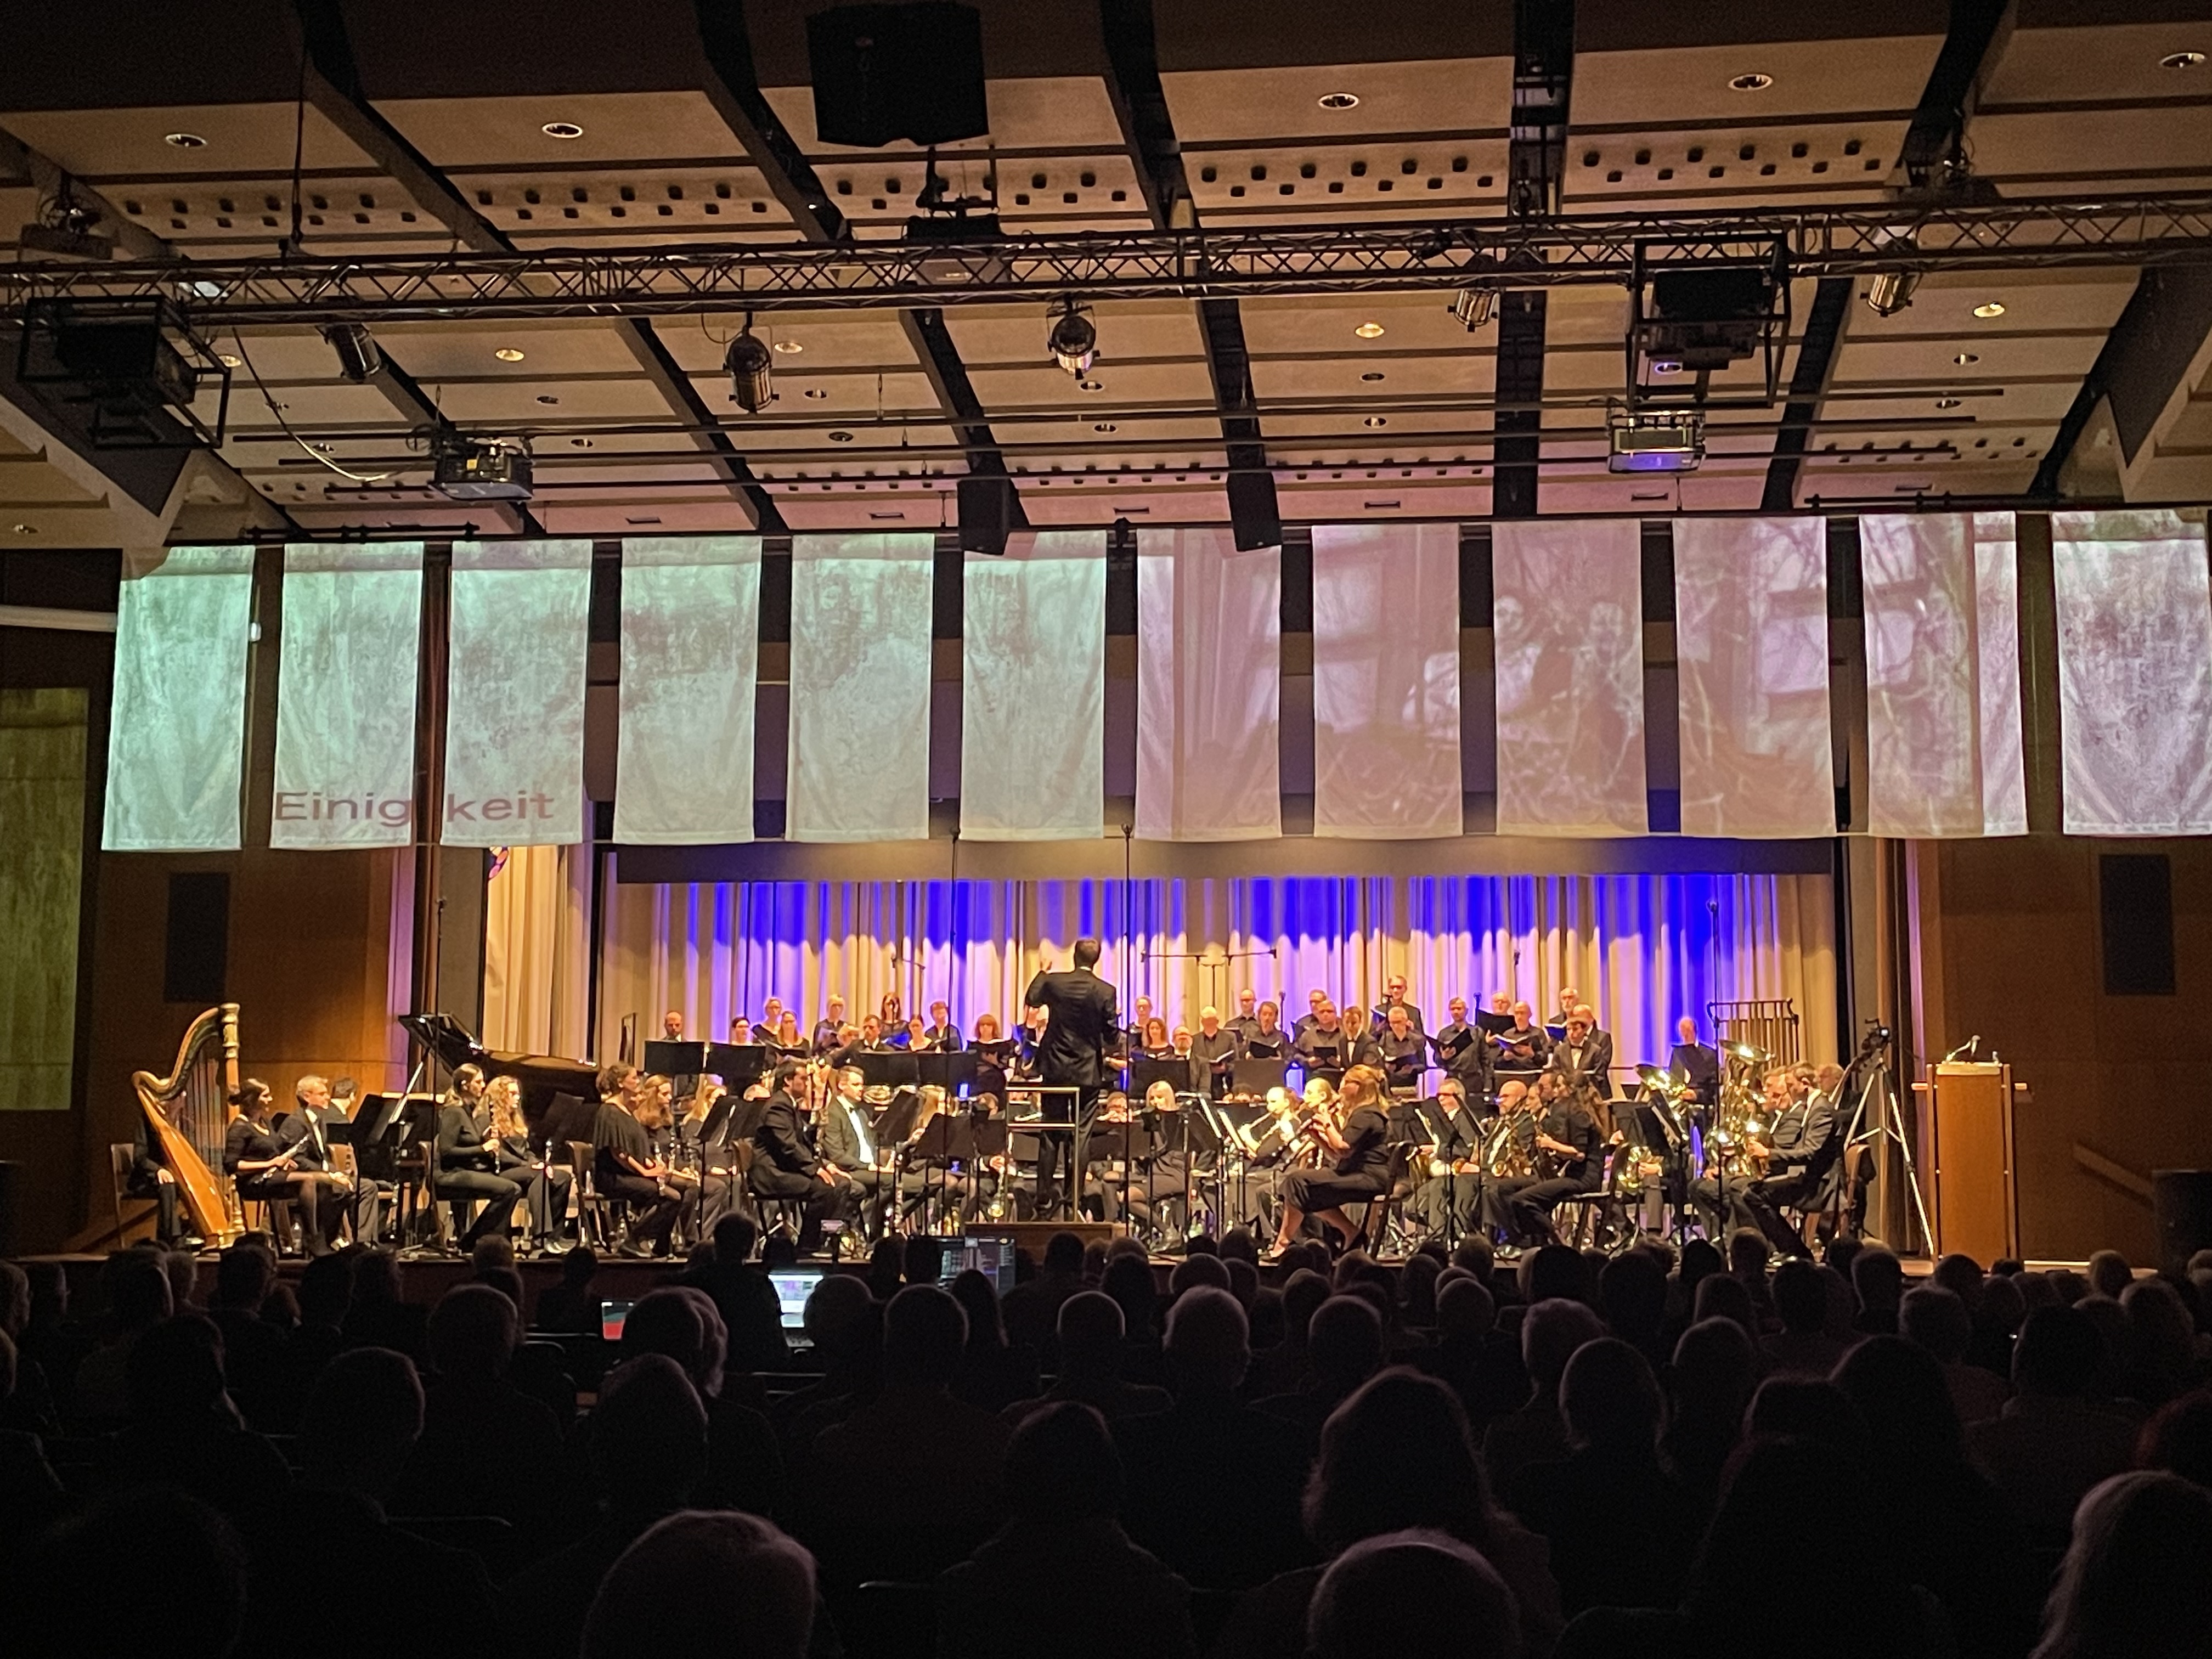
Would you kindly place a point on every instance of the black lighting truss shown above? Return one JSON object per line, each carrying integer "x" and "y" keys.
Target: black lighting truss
{"x": 1500, "y": 253}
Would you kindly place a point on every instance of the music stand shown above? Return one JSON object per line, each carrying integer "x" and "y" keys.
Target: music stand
{"x": 1255, "y": 1076}
{"x": 958, "y": 1072}
{"x": 736, "y": 1063}
{"x": 888, "y": 1068}
{"x": 675, "y": 1058}
{"x": 417, "y": 1126}
{"x": 1146, "y": 1069}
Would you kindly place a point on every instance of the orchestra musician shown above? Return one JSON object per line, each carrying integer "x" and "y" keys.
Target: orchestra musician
{"x": 623, "y": 1166}
{"x": 845, "y": 1136}
{"x": 704, "y": 1155}
{"x": 151, "y": 1177}
{"x": 306, "y": 1130}
{"x": 1799, "y": 1144}
{"x": 1568, "y": 1133}
{"x": 466, "y": 1164}
{"x": 785, "y": 1165}
{"x": 1584, "y": 1055}
{"x": 267, "y": 1172}
{"x": 1355, "y": 1135}
{"x": 1695, "y": 1064}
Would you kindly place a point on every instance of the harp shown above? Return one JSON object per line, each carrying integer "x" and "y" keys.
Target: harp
{"x": 188, "y": 1112}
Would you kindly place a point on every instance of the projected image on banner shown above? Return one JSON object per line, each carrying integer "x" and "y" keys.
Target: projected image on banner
{"x": 1033, "y": 690}
{"x": 177, "y": 723}
{"x": 1751, "y": 642}
{"x": 859, "y": 688}
{"x": 2135, "y": 672}
{"x": 514, "y": 709}
{"x": 690, "y": 654}
{"x": 1386, "y": 681}
{"x": 1567, "y": 598}
{"x": 345, "y": 702}
{"x": 1943, "y": 675}
{"x": 1209, "y": 688}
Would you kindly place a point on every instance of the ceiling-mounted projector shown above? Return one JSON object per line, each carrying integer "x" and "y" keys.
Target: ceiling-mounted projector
{"x": 1672, "y": 444}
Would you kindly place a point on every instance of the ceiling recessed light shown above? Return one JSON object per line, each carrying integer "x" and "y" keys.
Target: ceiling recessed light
{"x": 1368, "y": 331}
{"x": 1947, "y": 402}
{"x": 184, "y": 140}
{"x": 1340, "y": 101}
{"x": 580, "y": 443}
{"x": 787, "y": 348}
{"x": 1751, "y": 83}
{"x": 1376, "y": 420}
{"x": 1989, "y": 308}
{"x": 561, "y": 130}
{"x": 841, "y": 437}
{"x": 815, "y": 392}
{"x": 2173, "y": 60}
{"x": 230, "y": 360}
{"x": 508, "y": 354}
{"x": 1965, "y": 357}
{"x": 1090, "y": 385}
{"x": 1372, "y": 374}
{"x": 1104, "y": 426}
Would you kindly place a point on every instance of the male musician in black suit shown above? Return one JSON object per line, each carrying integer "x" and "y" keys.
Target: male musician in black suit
{"x": 845, "y": 1136}
{"x": 1695, "y": 1063}
{"x": 1567, "y": 1133}
{"x": 1071, "y": 1052}
{"x": 307, "y": 1128}
{"x": 1800, "y": 1144}
{"x": 151, "y": 1177}
{"x": 1403, "y": 1051}
{"x": 1463, "y": 1050}
{"x": 785, "y": 1166}
{"x": 1393, "y": 996}
{"x": 1584, "y": 1055}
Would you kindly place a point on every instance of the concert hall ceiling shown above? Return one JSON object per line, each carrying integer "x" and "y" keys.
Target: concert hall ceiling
{"x": 426, "y": 126}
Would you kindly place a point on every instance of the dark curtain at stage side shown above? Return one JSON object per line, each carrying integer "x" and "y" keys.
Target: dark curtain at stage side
{"x": 1645, "y": 949}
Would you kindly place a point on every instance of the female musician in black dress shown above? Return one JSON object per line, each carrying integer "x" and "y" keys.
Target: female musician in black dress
{"x": 507, "y": 1138}
{"x": 265, "y": 1171}
{"x": 1355, "y": 1132}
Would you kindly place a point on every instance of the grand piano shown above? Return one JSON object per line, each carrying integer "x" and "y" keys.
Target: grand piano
{"x": 542, "y": 1077}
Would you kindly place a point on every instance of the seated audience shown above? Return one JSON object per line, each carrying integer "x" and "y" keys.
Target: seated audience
{"x": 651, "y": 1607}
{"x": 2134, "y": 1583}
{"x": 1935, "y": 1319}
{"x": 1090, "y": 1343}
{"x": 1381, "y": 1597}
{"x": 2051, "y": 1442}
{"x": 486, "y": 1447}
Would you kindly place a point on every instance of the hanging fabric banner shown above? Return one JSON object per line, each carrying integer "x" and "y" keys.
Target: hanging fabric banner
{"x": 1209, "y": 688}
{"x": 859, "y": 688}
{"x": 345, "y": 702}
{"x": 1751, "y": 645}
{"x": 176, "y": 739}
{"x": 691, "y": 663}
{"x": 2135, "y": 672}
{"x": 1386, "y": 681}
{"x": 514, "y": 697}
{"x": 1942, "y": 656}
{"x": 1033, "y": 690}
{"x": 1567, "y": 598}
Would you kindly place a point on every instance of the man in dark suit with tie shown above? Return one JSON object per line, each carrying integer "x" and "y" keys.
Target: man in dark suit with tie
{"x": 1080, "y": 1023}
{"x": 1695, "y": 1063}
{"x": 785, "y": 1165}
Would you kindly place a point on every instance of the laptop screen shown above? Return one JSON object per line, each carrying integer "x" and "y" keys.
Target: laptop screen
{"x": 612, "y": 1314}
{"x": 792, "y": 1286}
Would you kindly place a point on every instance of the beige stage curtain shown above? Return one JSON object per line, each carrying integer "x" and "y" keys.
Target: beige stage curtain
{"x": 1639, "y": 947}
{"x": 537, "y": 990}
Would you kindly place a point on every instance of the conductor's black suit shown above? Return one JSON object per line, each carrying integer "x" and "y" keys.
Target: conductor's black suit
{"x": 1082, "y": 1021}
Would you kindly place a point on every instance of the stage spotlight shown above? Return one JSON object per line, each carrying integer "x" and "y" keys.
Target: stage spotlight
{"x": 359, "y": 358}
{"x": 1891, "y": 292}
{"x": 1475, "y": 307}
{"x": 1073, "y": 341}
{"x": 749, "y": 365}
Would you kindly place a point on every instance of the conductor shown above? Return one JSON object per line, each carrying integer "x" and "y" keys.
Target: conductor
{"x": 1080, "y": 1022}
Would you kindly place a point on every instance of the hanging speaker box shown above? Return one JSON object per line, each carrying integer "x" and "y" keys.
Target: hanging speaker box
{"x": 883, "y": 73}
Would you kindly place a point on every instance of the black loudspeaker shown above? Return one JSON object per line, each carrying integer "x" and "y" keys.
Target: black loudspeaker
{"x": 987, "y": 514}
{"x": 1254, "y": 518}
{"x": 195, "y": 949}
{"x": 2181, "y": 1205}
{"x": 883, "y": 73}
{"x": 2135, "y": 905}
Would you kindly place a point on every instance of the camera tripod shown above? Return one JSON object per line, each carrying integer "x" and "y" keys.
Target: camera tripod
{"x": 1877, "y": 1102}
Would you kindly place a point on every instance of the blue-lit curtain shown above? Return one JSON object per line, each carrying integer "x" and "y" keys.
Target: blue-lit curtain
{"x": 1644, "y": 949}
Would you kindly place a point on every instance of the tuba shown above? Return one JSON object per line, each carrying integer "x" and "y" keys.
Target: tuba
{"x": 188, "y": 1112}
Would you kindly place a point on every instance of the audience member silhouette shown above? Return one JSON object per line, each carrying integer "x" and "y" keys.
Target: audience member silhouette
{"x": 1381, "y": 1597}
{"x": 1550, "y": 1333}
{"x": 1061, "y": 1574}
{"x": 1936, "y": 1319}
{"x": 650, "y": 1606}
{"x": 1089, "y": 1344}
{"x": 744, "y": 1465}
{"x": 185, "y": 1430}
{"x": 2051, "y": 1442}
{"x": 994, "y": 1373}
{"x": 1709, "y": 1385}
{"x": 571, "y": 1307}
{"x": 142, "y": 1571}
{"x": 1344, "y": 1348}
{"x": 486, "y": 1447}
{"x": 2134, "y": 1584}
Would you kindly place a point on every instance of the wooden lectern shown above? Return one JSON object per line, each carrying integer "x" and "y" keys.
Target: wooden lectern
{"x": 1970, "y": 1190}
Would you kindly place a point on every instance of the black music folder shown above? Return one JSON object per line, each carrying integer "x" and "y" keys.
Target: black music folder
{"x": 676, "y": 1059}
